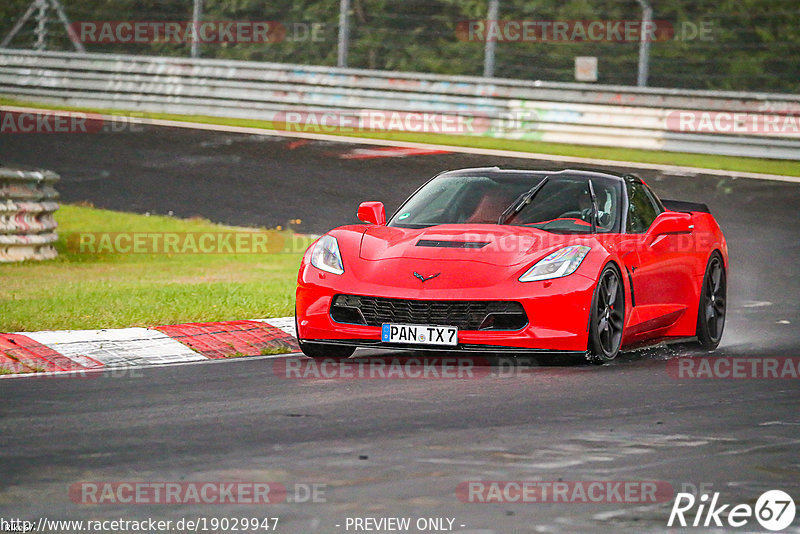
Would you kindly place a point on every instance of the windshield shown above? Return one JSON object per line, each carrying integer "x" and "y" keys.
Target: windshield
{"x": 563, "y": 204}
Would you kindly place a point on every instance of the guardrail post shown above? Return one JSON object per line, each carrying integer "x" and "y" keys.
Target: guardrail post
{"x": 344, "y": 32}
{"x": 197, "y": 14}
{"x": 489, "y": 46}
{"x": 644, "y": 44}
{"x": 41, "y": 26}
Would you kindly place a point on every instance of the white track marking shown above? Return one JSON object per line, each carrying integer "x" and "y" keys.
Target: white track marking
{"x": 284, "y": 323}
{"x": 756, "y": 304}
{"x": 118, "y": 347}
{"x": 667, "y": 169}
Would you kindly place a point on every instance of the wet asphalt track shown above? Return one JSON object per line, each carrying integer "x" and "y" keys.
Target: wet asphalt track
{"x": 388, "y": 448}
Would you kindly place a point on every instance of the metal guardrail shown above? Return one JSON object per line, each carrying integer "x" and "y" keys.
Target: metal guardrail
{"x": 27, "y": 204}
{"x": 552, "y": 112}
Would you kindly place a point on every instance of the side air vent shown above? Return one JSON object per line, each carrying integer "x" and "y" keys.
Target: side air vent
{"x": 451, "y": 244}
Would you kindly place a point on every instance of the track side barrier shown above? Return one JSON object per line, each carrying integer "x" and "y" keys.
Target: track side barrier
{"x": 27, "y": 204}
{"x": 327, "y": 99}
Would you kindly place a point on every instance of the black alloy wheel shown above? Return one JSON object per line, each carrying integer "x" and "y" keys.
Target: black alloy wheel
{"x": 607, "y": 318}
{"x": 713, "y": 301}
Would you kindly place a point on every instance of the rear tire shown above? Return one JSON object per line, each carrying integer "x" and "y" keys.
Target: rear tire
{"x": 607, "y": 317}
{"x": 321, "y": 351}
{"x": 712, "y": 307}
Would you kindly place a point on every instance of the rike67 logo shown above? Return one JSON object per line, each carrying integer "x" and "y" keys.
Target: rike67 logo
{"x": 774, "y": 510}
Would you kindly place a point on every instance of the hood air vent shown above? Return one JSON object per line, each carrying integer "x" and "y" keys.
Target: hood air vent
{"x": 451, "y": 244}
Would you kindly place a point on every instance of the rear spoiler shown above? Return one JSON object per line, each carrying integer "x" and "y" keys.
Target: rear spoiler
{"x": 686, "y": 207}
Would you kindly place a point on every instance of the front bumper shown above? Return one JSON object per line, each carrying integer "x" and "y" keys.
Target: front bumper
{"x": 558, "y": 313}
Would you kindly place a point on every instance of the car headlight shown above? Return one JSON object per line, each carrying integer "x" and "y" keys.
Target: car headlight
{"x": 562, "y": 262}
{"x": 326, "y": 256}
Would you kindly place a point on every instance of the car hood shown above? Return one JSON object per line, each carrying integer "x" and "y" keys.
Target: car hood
{"x": 489, "y": 244}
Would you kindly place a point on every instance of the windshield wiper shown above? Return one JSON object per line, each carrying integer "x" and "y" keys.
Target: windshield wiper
{"x": 521, "y": 201}
{"x": 594, "y": 207}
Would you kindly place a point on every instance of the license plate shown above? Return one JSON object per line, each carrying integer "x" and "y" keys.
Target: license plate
{"x": 419, "y": 334}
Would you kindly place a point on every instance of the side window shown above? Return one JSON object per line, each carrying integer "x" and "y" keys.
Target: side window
{"x": 642, "y": 209}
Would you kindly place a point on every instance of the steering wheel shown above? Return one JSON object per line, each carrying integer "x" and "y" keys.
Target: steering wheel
{"x": 583, "y": 215}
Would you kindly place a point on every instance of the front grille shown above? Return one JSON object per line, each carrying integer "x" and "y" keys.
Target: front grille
{"x": 466, "y": 315}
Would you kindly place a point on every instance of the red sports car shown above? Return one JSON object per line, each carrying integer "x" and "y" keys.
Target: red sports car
{"x": 517, "y": 261}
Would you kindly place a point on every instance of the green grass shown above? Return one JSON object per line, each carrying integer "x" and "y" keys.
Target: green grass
{"x": 729, "y": 163}
{"x": 84, "y": 290}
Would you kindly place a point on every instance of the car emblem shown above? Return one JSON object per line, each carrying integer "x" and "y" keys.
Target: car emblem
{"x": 424, "y": 278}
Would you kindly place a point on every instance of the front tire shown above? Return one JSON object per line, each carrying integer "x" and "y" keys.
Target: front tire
{"x": 607, "y": 317}
{"x": 320, "y": 351}
{"x": 712, "y": 307}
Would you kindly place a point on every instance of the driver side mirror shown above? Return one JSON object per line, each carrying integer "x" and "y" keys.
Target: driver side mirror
{"x": 670, "y": 222}
{"x": 372, "y": 213}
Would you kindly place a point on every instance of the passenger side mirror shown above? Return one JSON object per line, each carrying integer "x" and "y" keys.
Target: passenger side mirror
{"x": 372, "y": 213}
